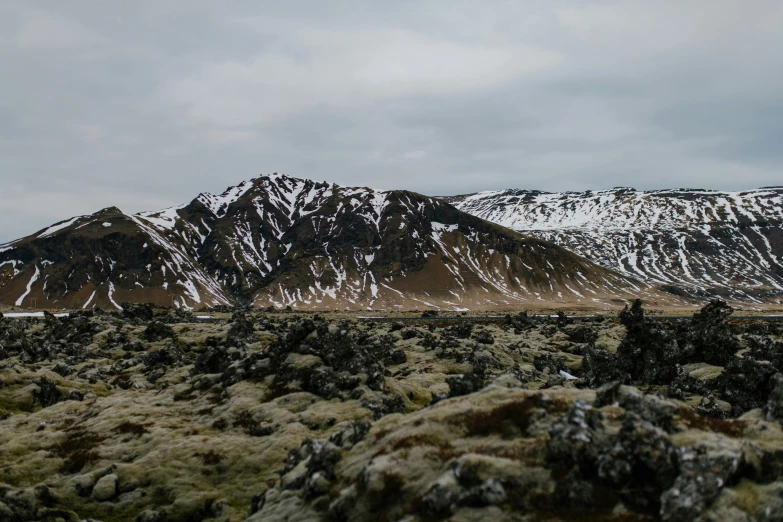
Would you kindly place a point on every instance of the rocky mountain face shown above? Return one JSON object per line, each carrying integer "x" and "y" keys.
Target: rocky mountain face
{"x": 691, "y": 242}
{"x": 283, "y": 241}
{"x": 102, "y": 259}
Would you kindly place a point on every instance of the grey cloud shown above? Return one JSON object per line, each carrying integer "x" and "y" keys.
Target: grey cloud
{"x": 145, "y": 104}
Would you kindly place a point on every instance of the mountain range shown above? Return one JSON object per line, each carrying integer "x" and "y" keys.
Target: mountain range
{"x": 281, "y": 241}
{"x": 690, "y": 242}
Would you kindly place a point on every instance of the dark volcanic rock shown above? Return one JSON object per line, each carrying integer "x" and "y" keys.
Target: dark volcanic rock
{"x": 344, "y": 360}
{"x": 241, "y": 329}
{"x": 652, "y": 351}
{"x": 582, "y": 334}
{"x": 47, "y": 393}
{"x": 352, "y": 434}
{"x": 329, "y": 384}
{"x": 766, "y": 349}
{"x": 563, "y": 320}
{"x": 702, "y": 477}
{"x": 638, "y": 464}
{"x": 74, "y": 329}
{"x": 513, "y": 441}
{"x": 117, "y": 337}
{"x": 577, "y": 440}
{"x": 641, "y": 464}
{"x": 157, "y": 331}
{"x": 384, "y": 405}
{"x": 460, "y": 331}
{"x": 774, "y": 411}
{"x": 653, "y": 409}
{"x": 551, "y": 364}
{"x": 746, "y": 383}
{"x": 464, "y": 384}
{"x": 709, "y": 337}
{"x": 600, "y": 367}
{"x": 215, "y": 359}
{"x": 484, "y": 337}
{"x": 520, "y": 322}
{"x": 409, "y": 333}
{"x": 310, "y": 469}
{"x": 649, "y": 352}
{"x": 709, "y": 406}
{"x": 138, "y": 312}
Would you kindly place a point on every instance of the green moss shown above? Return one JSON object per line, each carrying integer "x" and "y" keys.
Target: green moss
{"x": 15, "y": 403}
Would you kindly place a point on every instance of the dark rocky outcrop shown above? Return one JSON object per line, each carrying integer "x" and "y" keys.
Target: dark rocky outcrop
{"x": 649, "y": 352}
{"x": 774, "y": 410}
{"x": 157, "y": 331}
{"x": 709, "y": 338}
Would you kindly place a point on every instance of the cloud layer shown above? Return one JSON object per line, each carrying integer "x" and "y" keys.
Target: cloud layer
{"x": 145, "y": 104}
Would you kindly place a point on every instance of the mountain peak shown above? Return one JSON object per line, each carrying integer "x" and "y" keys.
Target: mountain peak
{"x": 110, "y": 210}
{"x": 283, "y": 241}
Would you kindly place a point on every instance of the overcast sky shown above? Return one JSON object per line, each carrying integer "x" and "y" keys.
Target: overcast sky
{"x": 145, "y": 104}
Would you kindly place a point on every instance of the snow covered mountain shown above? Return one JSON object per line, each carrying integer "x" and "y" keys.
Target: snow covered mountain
{"x": 692, "y": 242}
{"x": 281, "y": 241}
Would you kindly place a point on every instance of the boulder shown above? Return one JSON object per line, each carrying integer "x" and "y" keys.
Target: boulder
{"x": 106, "y": 488}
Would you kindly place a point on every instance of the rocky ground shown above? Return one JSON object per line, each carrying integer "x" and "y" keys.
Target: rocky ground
{"x": 152, "y": 415}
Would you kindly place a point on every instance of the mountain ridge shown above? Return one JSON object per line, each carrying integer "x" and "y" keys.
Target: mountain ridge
{"x": 282, "y": 241}
{"x": 697, "y": 242}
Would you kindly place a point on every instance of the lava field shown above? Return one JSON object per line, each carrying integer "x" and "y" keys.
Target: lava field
{"x": 151, "y": 414}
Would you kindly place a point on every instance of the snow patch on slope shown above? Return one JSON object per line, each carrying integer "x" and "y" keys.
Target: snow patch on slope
{"x": 163, "y": 219}
{"x": 58, "y": 226}
{"x": 33, "y": 279}
{"x": 219, "y": 204}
